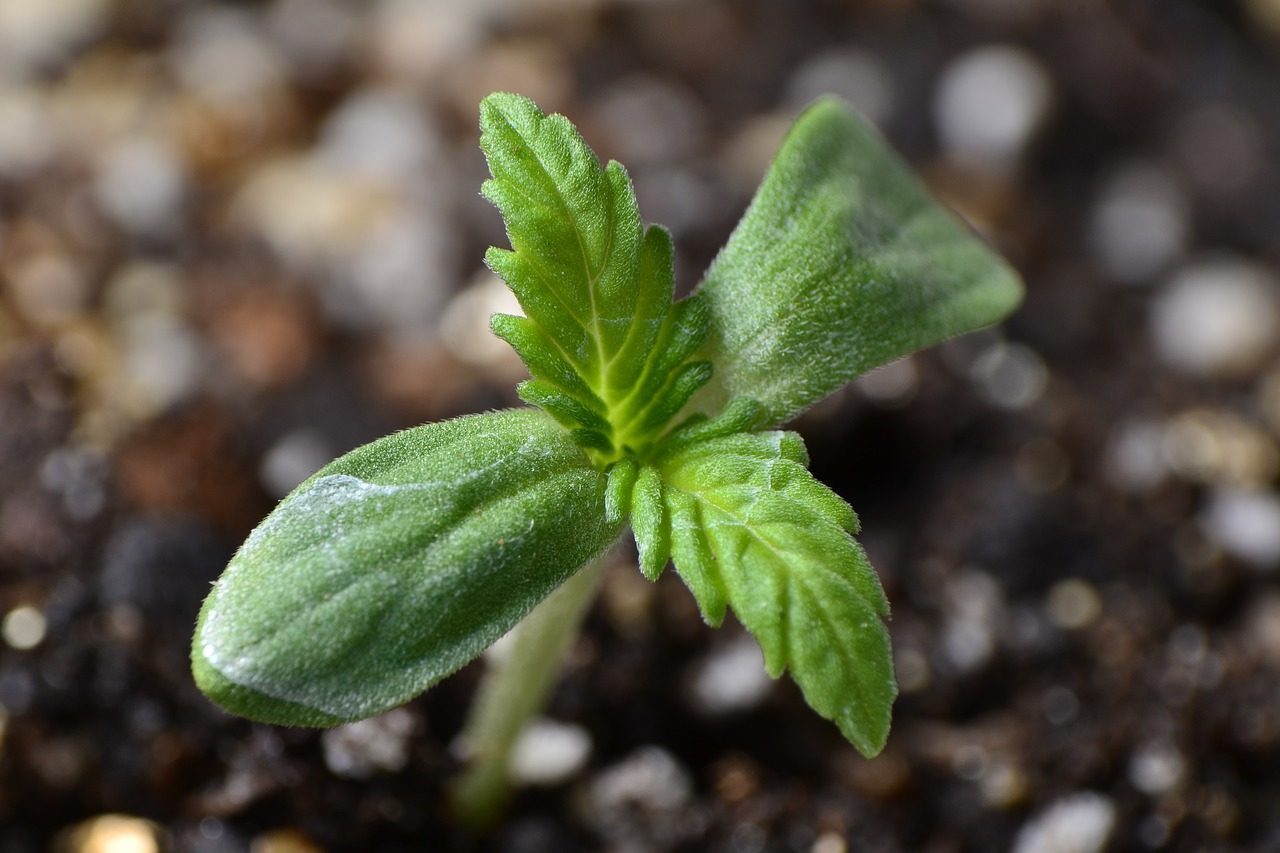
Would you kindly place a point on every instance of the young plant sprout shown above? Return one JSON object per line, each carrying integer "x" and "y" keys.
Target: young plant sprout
{"x": 398, "y": 563}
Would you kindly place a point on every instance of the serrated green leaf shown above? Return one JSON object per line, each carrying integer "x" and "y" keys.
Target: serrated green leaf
{"x": 751, "y": 528}
{"x": 595, "y": 286}
{"x": 395, "y": 565}
{"x": 842, "y": 262}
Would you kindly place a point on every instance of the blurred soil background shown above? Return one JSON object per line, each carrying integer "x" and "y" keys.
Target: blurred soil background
{"x": 237, "y": 239}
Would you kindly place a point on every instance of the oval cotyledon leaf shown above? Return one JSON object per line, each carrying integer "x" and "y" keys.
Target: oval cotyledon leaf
{"x": 395, "y": 565}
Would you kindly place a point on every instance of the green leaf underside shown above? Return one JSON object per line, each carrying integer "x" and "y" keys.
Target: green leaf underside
{"x": 748, "y": 527}
{"x": 395, "y": 565}
{"x": 842, "y": 262}
{"x": 608, "y": 351}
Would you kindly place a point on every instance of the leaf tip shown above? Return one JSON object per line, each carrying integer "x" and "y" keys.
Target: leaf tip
{"x": 498, "y": 105}
{"x": 246, "y": 702}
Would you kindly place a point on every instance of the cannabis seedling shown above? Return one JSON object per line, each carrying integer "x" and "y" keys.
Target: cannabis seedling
{"x": 398, "y": 563}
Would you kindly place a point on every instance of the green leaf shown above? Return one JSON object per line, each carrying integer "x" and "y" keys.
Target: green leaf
{"x": 617, "y": 496}
{"x": 649, "y": 523}
{"x": 395, "y": 565}
{"x": 842, "y": 262}
{"x": 752, "y": 529}
{"x": 595, "y": 285}
{"x": 741, "y": 415}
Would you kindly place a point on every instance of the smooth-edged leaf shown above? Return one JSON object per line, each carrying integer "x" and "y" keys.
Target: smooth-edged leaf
{"x": 741, "y": 415}
{"x": 569, "y": 411}
{"x": 842, "y": 262}
{"x": 396, "y": 564}
{"x": 617, "y": 494}
{"x": 649, "y": 523}
{"x": 751, "y": 528}
{"x": 595, "y": 285}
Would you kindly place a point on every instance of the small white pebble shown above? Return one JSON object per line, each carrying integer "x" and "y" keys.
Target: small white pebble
{"x": 1217, "y": 318}
{"x": 140, "y": 185}
{"x": 970, "y": 761}
{"x": 548, "y": 753}
{"x": 221, "y": 54}
{"x": 292, "y": 459}
{"x": 24, "y": 627}
{"x": 891, "y": 385}
{"x": 990, "y": 103}
{"x": 829, "y": 842}
{"x": 911, "y": 668}
{"x": 77, "y": 476}
{"x": 35, "y": 33}
{"x": 1003, "y": 785}
{"x": 49, "y": 288}
{"x": 26, "y": 130}
{"x": 651, "y": 120}
{"x": 858, "y": 77}
{"x": 1079, "y": 823}
{"x": 1073, "y": 604}
{"x": 1135, "y": 456}
{"x": 379, "y": 744}
{"x": 381, "y": 135}
{"x": 416, "y": 41}
{"x": 313, "y": 33}
{"x": 731, "y": 678}
{"x": 1217, "y": 447}
{"x": 1156, "y": 768}
{"x": 464, "y": 325}
{"x": 1140, "y": 224}
{"x": 649, "y": 780}
{"x": 163, "y": 363}
{"x": 974, "y": 607}
{"x": 113, "y": 833}
{"x": 399, "y": 275}
{"x": 1011, "y": 376}
{"x": 1245, "y": 524}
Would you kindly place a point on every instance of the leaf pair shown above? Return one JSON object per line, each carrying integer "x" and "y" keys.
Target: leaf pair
{"x": 396, "y": 564}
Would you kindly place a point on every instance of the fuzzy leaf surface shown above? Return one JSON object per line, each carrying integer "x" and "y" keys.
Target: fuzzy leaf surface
{"x": 752, "y": 529}
{"x": 395, "y": 565}
{"x": 600, "y": 336}
{"x": 842, "y": 262}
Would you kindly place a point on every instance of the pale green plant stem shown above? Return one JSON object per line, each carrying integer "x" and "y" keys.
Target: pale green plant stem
{"x": 516, "y": 688}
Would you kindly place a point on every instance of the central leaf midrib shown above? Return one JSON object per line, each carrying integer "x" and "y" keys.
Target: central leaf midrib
{"x": 592, "y": 276}
{"x": 788, "y": 579}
